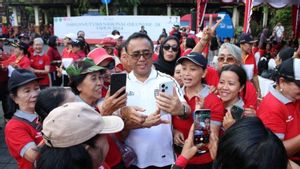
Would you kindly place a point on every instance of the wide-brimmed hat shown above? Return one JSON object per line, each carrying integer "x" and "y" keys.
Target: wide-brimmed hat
{"x": 75, "y": 123}
{"x": 20, "y": 77}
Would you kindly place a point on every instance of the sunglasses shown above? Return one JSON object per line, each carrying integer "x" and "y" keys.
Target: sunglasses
{"x": 174, "y": 47}
{"x": 110, "y": 65}
{"x": 226, "y": 59}
{"x": 145, "y": 54}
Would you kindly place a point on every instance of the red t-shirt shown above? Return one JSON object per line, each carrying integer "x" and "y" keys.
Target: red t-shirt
{"x": 23, "y": 63}
{"x": 281, "y": 116}
{"x": 212, "y": 76}
{"x": 69, "y": 54}
{"x": 250, "y": 60}
{"x": 250, "y": 98}
{"x": 39, "y": 62}
{"x": 53, "y": 55}
{"x": 211, "y": 102}
{"x": 17, "y": 135}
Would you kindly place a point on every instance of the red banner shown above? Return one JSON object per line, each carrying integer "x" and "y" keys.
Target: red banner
{"x": 247, "y": 17}
{"x": 201, "y": 8}
{"x": 296, "y": 20}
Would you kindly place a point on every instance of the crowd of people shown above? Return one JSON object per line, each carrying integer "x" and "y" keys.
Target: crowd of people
{"x": 60, "y": 113}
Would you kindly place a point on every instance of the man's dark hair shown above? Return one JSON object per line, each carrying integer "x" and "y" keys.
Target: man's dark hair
{"x": 138, "y": 35}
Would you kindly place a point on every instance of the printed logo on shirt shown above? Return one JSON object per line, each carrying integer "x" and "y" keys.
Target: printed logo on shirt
{"x": 41, "y": 62}
{"x": 130, "y": 93}
{"x": 290, "y": 118}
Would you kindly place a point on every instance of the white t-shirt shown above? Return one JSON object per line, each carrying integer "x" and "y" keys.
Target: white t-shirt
{"x": 153, "y": 146}
{"x": 279, "y": 31}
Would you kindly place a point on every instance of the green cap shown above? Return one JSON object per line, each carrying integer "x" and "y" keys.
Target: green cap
{"x": 83, "y": 66}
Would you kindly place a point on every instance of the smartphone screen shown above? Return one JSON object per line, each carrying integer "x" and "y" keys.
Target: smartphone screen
{"x": 118, "y": 80}
{"x": 202, "y": 128}
{"x": 236, "y": 112}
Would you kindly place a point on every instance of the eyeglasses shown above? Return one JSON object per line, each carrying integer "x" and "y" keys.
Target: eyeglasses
{"x": 137, "y": 55}
{"x": 174, "y": 47}
{"x": 110, "y": 65}
{"x": 226, "y": 59}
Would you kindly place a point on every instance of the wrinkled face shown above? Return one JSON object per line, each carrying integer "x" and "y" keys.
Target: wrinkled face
{"x": 140, "y": 56}
{"x": 26, "y": 96}
{"x": 191, "y": 74}
{"x": 225, "y": 58}
{"x": 170, "y": 49}
{"x": 246, "y": 47}
{"x": 290, "y": 90}
{"x": 177, "y": 74}
{"x": 38, "y": 47}
{"x": 110, "y": 68}
{"x": 91, "y": 87}
{"x": 229, "y": 87}
{"x": 99, "y": 151}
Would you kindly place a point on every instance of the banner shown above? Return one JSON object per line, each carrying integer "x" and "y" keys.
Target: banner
{"x": 98, "y": 27}
{"x": 247, "y": 17}
{"x": 201, "y": 8}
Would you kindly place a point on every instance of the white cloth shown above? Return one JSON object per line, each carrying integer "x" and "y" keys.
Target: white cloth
{"x": 153, "y": 146}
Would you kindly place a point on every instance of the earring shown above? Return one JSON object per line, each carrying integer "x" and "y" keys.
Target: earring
{"x": 281, "y": 90}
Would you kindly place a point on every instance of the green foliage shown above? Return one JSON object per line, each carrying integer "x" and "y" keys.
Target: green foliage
{"x": 284, "y": 16}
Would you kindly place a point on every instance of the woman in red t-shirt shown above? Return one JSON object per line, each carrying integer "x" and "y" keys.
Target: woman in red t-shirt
{"x": 40, "y": 62}
{"x": 55, "y": 60}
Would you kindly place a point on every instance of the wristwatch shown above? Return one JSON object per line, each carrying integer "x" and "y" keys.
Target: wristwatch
{"x": 184, "y": 112}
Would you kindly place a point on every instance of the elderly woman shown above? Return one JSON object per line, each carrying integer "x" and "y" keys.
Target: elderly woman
{"x": 169, "y": 52}
{"x": 22, "y": 134}
{"x": 230, "y": 54}
{"x": 40, "y": 62}
{"x": 86, "y": 147}
{"x": 279, "y": 109}
{"x": 86, "y": 82}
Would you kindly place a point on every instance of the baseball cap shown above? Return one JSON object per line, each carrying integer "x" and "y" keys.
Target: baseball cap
{"x": 77, "y": 42}
{"x": 76, "y": 122}
{"x": 290, "y": 70}
{"x": 99, "y": 55}
{"x": 20, "y": 77}
{"x": 286, "y": 53}
{"x": 196, "y": 58}
{"x": 24, "y": 36}
{"x": 83, "y": 66}
{"x": 20, "y": 45}
{"x": 108, "y": 42}
{"x": 246, "y": 38}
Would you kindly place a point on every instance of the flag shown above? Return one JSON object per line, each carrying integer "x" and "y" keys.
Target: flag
{"x": 247, "y": 16}
{"x": 296, "y": 20}
{"x": 201, "y": 8}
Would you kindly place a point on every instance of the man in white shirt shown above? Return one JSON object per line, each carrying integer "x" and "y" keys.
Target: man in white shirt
{"x": 278, "y": 31}
{"x": 152, "y": 139}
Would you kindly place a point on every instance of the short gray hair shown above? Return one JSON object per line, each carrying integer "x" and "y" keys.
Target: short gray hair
{"x": 38, "y": 40}
{"x": 233, "y": 49}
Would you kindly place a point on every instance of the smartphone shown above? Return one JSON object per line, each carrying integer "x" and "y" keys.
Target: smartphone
{"x": 202, "y": 128}
{"x": 117, "y": 81}
{"x": 236, "y": 112}
{"x": 167, "y": 88}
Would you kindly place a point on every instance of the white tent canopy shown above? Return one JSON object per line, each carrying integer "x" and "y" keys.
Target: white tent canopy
{"x": 276, "y": 3}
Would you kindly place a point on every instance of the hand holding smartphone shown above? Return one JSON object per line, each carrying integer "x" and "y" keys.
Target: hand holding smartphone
{"x": 236, "y": 112}
{"x": 118, "y": 80}
{"x": 202, "y": 128}
{"x": 167, "y": 88}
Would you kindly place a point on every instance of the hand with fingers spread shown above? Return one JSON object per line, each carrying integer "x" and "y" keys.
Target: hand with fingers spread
{"x": 133, "y": 115}
{"x": 178, "y": 137}
{"x": 113, "y": 103}
{"x": 154, "y": 119}
{"x": 169, "y": 104}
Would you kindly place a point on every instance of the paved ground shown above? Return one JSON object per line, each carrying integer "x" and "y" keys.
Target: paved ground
{"x": 6, "y": 161}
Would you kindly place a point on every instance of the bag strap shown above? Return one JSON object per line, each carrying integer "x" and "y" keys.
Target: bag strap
{"x": 33, "y": 124}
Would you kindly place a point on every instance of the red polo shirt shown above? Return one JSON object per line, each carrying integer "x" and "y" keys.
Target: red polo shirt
{"x": 211, "y": 102}
{"x": 280, "y": 115}
{"x": 250, "y": 97}
{"x": 39, "y": 62}
{"x": 69, "y": 54}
